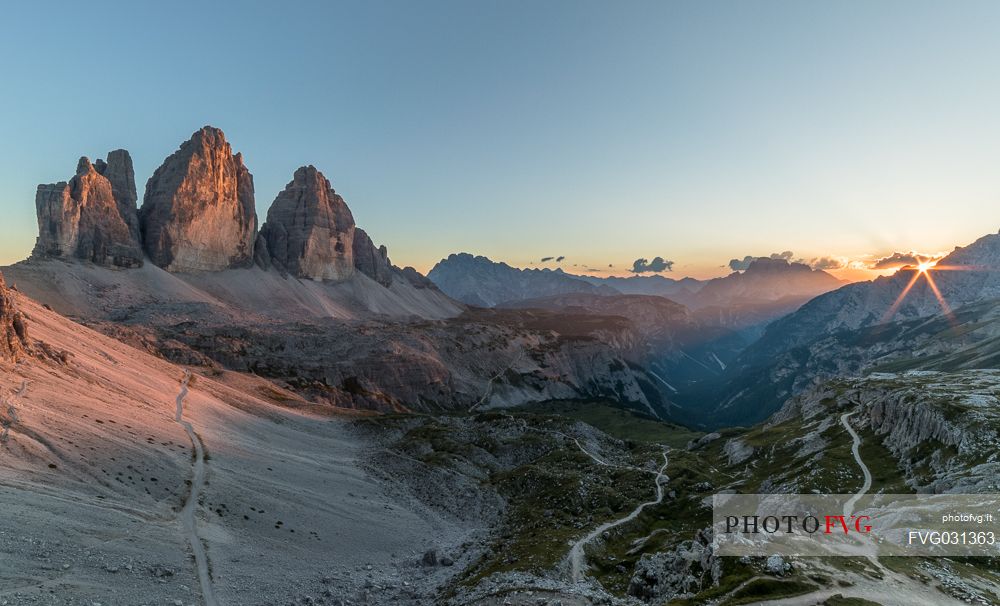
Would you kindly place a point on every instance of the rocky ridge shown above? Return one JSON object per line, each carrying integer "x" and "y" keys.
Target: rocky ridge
{"x": 940, "y": 427}
{"x": 966, "y": 276}
{"x": 766, "y": 280}
{"x": 374, "y": 262}
{"x": 476, "y": 280}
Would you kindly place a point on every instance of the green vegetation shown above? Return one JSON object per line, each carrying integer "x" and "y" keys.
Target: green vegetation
{"x": 769, "y": 589}
{"x": 618, "y": 423}
{"x": 840, "y": 600}
{"x": 736, "y": 573}
{"x": 556, "y": 493}
{"x": 887, "y": 477}
{"x": 556, "y": 499}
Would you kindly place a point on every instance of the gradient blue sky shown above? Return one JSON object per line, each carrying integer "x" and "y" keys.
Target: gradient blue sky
{"x": 697, "y": 131}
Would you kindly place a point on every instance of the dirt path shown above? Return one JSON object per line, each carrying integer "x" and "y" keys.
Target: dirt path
{"x": 577, "y": 556}
{"x": 489, "y": 386}
{"x": 188, "y": 519}
{"x": 588, "y": 453}
{"x": 849, "y": 505}
{"x": 893, "y": 588}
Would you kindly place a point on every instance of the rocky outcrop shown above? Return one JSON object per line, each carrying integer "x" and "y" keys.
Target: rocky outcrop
{"x": 93, "y": 216}
{"x": 940, "y": 428}
{"x": 119, "y": 171}
{"x": 198, "y": 210}
{"x": 688, "y": 569}
{"x": 373, "y": 261}
{"x": 309, "y": 230}
{"x": 13, "y": 334}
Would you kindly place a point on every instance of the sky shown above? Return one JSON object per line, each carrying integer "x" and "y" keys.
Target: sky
{"x": 602, "y": 132}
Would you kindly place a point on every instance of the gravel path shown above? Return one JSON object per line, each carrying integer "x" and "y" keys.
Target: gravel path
{"x": 849, "y": 505}
{"x": 197, "y": 485}
{"x": 577, "y": 556}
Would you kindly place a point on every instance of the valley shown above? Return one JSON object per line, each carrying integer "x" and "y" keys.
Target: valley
{"x": 200, "y": 410}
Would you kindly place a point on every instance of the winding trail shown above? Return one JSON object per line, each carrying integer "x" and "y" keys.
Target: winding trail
{"x": 577, "y": 556}
{"x": 890, "y": 587}
{"x": 197, "y": 484}
{"x": 849, "y": 505}
{"x": 588, "y": 453}
{"x": 489, "y": 386}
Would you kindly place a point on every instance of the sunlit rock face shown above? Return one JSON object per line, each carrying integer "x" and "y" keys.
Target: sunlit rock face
{"x": 93, "y": 216}
{"x": 198, "y": 210}
{"x": 13, "y": 334}
{"x": 310, "y": 230}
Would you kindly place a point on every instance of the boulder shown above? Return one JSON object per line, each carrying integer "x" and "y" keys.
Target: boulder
{"x": 198, "y": 211}
{"x": 85, "y": 219}
{"x": 310, "y": 230}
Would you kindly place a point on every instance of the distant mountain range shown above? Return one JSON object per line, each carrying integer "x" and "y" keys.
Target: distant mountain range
{"x": 478, "y": 281}
{"x": 678, "y": 290}
{"x": 767, "y": 289}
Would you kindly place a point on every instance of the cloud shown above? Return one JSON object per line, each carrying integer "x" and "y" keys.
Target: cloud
{"x": 899, "y": 259}
{"x": 547, "y": 259}
{"x": 559, "y": 259}
{"x": 827, "y": 263}
{"x": 657, "y": 265}
{"x": 741, "y": 264}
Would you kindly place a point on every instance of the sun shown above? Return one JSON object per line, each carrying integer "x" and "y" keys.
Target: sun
{"x": 924, "y": 266}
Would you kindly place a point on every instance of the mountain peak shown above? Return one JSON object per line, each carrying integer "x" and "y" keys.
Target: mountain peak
{"x": 310, "y": 230}
{"x": 198, "y": 212}
{"x": 84, "y": 166}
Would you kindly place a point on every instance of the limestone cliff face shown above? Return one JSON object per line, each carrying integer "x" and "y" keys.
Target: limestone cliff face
{"x": 92, "y": 217}
{"x": 13, "y": 334}
{"x": 119, "y": 171}
{"x": 941, "y": 427}
{"x": 371, "y": 260}
{"x": 198, "y": 210}
{"x": 310, "y": 230}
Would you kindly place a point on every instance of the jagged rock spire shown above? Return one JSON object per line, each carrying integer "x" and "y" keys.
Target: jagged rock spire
{"x": 91, "y": 217}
